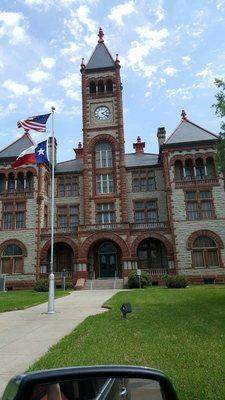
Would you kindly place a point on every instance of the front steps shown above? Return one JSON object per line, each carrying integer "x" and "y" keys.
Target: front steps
{"x": 108, "y": 283}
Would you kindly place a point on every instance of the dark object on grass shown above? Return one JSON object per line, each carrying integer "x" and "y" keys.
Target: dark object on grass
{"x": 133, "y": 279}
{"x": 41, "y": 285}
{"x": 175, "y": 281}
{"x": 126, "y": 309}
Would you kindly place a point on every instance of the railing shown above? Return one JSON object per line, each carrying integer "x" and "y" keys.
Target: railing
{"x": 58, "y": 229}
{"x": 101, "y": 227}
{"x": 18, "y": 193}
{"x": 150, "y": 225}
{"x": 157, "y": 271}
{"x": 195, "y": 181}
{"x": 58, "y": 275}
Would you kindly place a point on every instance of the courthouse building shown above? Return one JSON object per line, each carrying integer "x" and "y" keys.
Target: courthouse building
{"x": 114, "y": 212}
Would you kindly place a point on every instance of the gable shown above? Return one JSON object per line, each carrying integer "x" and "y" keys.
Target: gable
{"x": 14, "y": 149}
{"x": 187, "y": 132}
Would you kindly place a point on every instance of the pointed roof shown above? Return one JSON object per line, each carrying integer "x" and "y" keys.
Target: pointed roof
{"x": 14, "y": 149}
{"x": 101, "y": 57}
{"x": 188, "y": 131}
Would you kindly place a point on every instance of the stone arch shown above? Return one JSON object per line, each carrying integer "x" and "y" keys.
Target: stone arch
{"x": 102, "y": 138}
{"x": 83, "y": 254}
{"x": 58, "y": 239}
{"x": 204, "y": 232}
{"x": 143, "y": 236}
{"x": 16, "y": 242}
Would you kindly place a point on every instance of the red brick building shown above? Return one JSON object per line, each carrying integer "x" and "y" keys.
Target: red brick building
{"x": 114, "y": 212}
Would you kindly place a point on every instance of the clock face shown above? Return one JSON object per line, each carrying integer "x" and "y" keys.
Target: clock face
{"x": 102, "y": 113}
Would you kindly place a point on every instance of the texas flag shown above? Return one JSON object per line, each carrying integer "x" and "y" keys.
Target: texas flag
{"x": 32, "y": 155}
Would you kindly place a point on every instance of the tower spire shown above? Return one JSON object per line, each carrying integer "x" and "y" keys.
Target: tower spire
{"x": 100, "y": 35}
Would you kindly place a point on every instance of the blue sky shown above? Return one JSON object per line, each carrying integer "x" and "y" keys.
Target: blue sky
{"x": 170, "y": 53}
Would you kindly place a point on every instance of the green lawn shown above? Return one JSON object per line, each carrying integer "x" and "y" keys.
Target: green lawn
{"x": 181, "y": 331}
{"x": 20, "y": 299}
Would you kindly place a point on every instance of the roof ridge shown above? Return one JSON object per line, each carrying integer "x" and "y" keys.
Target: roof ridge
{"x": 72, "y": 159}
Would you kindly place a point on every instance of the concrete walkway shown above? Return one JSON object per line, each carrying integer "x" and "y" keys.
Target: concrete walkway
{"x": 26, "y": 335}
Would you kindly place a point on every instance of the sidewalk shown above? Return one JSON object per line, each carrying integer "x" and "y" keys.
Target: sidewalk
{"x": 26, "y": 335}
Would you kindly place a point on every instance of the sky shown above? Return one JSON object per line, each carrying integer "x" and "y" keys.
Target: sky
{"x": 170, "y": 53}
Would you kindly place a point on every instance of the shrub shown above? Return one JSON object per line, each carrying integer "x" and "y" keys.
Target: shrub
{"x": 41, "y": 285}
{"x": 133, "y": 279}
{"x": 175, "y": 281}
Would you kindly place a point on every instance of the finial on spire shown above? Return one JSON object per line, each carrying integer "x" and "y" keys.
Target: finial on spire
{"x": 82, "y": 65}
{"x": 100, "y": 35}
{"x": 138, "y": 139}
{"x": 117, "y": 61}
{"x": 79, "y": 145}
{"x": 183, "y": 114}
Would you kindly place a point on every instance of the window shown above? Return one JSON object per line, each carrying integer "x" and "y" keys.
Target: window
{"x": 92, "y": 87}
{"x": 145, "y": 211}
{"x": 12, "y": 260}
{"x": 109, "y": 85}
{"x": 67, "y": 216}
{"x": 101, "y": 86}
{"x": 200, "y": 169}
{"x": 68, "y": 186}
{"x": 104, "y": 183}
{"x": 143, "y": 181}
{"x": 11, "y": 183}
{"x": 103, "y": 155}
{"x": 14, "y": 215}
{"x": 199, "y": 205}
{"x": 205, "y": 253}
{"x": 105, "y": 213}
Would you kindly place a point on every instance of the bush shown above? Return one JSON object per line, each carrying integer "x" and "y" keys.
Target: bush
{"x": 175, "y": 281}
{"x": 41, "y": 285}
{"x": 133, "y": 279}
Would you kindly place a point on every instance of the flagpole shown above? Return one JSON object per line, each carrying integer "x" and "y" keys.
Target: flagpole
{"x": 51, "y": 300}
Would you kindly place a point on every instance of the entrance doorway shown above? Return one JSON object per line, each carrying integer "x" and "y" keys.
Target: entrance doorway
{"x": 63, "y": 257}
{"x": 107, "y": 255}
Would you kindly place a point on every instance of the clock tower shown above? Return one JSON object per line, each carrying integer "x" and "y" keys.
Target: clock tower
{"x": 104, "y": 177}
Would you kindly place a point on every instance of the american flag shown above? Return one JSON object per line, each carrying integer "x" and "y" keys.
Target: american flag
{"x": 37, "y": 123}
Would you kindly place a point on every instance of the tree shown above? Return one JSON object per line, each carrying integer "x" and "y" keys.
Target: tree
{"x": 220, "y": 111}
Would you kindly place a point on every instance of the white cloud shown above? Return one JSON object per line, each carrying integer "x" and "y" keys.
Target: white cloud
{"x": 186, "y": 60}
{"x": 37, "y": 75}
{"x": 12, "y": 25}
{"x": 159, "y": 12}
{"x": 15, "y": 88}
{"x": 170, "y": 71}
{"x": 5, "y": 110}
{"x": 183, "y": 93}
{"x": 149, "y": 40}
{"x": 48, "y": 103}
{"x": 220, "y": 5}
{"x": 18, "y": 89}
{"x": 120, "y": 11}
{"x": 48, "y": 62}
{"x": 1, "y": 64}
{"x": 71, "y": 83}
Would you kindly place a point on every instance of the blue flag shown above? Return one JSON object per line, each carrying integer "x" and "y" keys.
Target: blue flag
{"x": 41, "y": 153}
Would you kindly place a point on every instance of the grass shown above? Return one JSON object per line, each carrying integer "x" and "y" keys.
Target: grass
{"x": 181, "y": 332}
{"x": 18, "y": 300}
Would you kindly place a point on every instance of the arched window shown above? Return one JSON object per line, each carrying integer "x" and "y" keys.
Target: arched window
{"x": 20, "y": 182}
{"x": 189, "y": 171}
{"x": 210, "y": 167}
{"x": 178, "y": 170}
{"x": 11, "y": 183}
{"x": 101, "y": 87}
{"x": 200, "y": 170}
{"x": 30, "y": 181}
{"x": 152, "y": 254}
{"x": 12, "y": 260}
{"x": 2, "y": 183}
{"x": 92, "y": 87}
{"x": 109, "y": 85}
{"x": 205, "y": 253}
{"x": 103, "y": 155}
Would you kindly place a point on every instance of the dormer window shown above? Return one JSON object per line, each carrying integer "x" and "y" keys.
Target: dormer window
{"x": 103, "y": 155}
